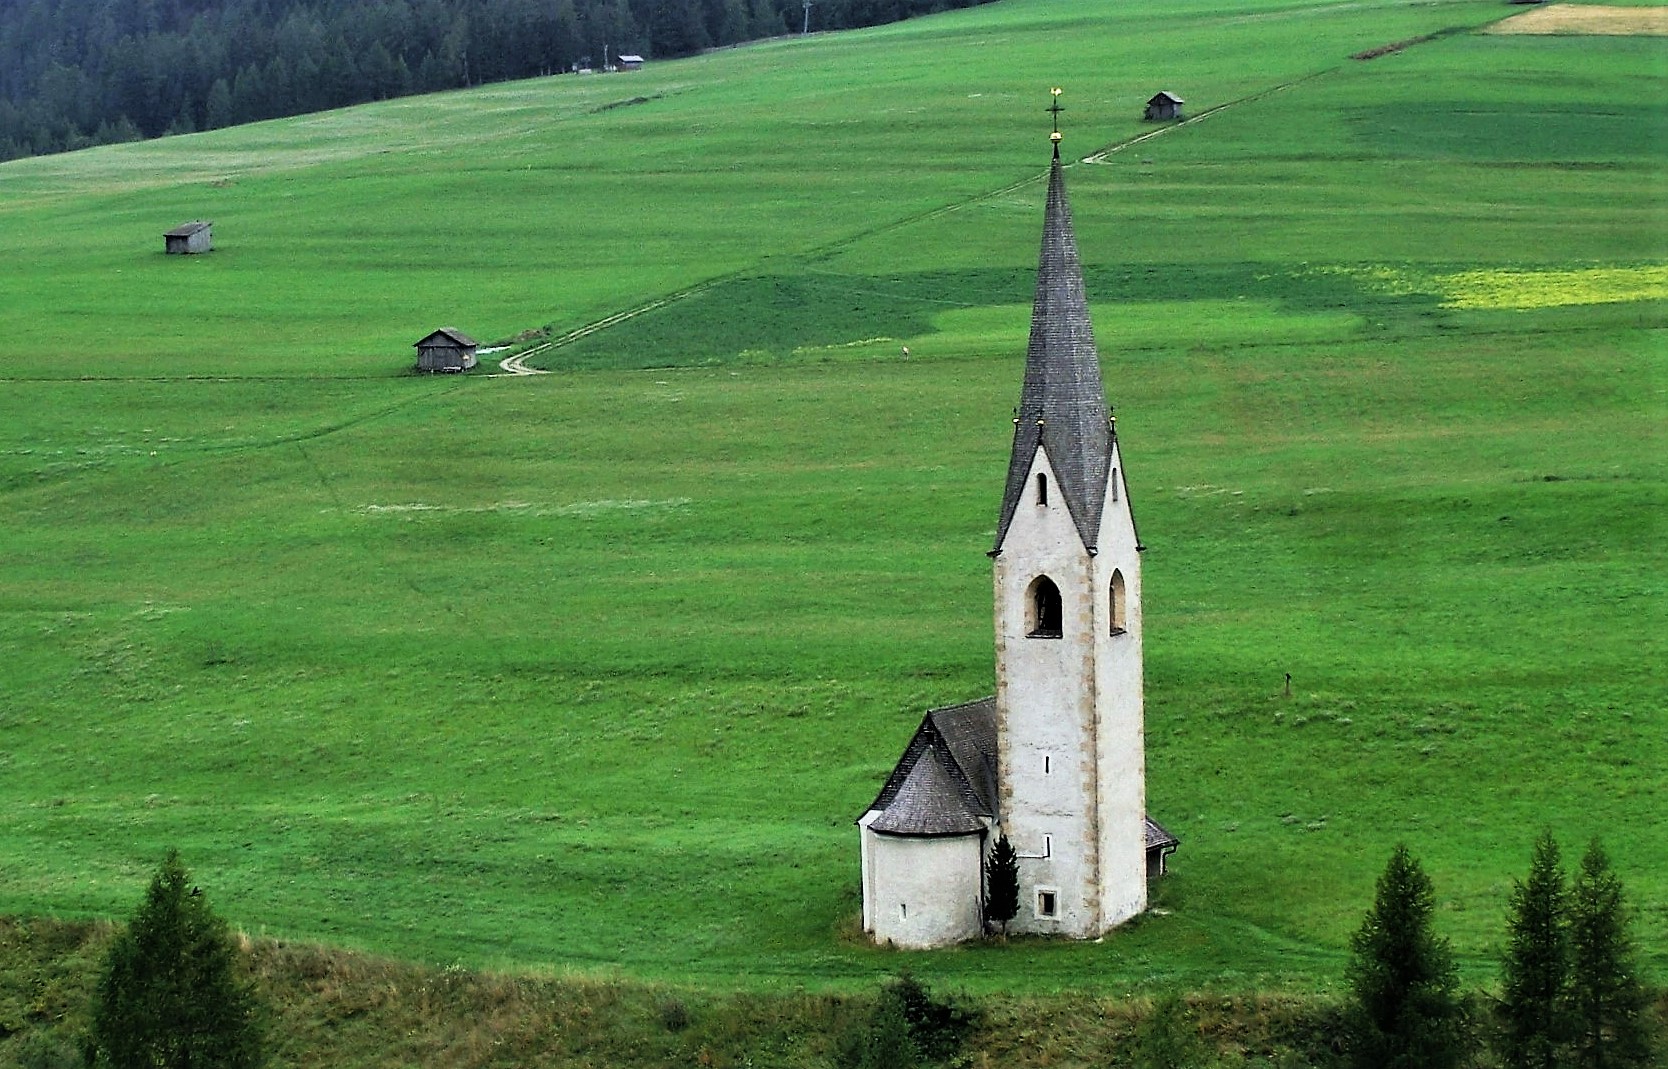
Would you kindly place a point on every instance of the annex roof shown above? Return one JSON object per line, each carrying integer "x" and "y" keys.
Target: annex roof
{"x": 451, "y": 334}
{"x": 1163, "y": 95}
{"x": 1158, "y": 838}
{"x": 945, "y": 782}
{"x": 1062, "y": 406}
{"x": 185, "y": 230}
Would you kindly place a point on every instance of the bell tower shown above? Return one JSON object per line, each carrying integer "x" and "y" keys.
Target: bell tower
{"x": 1068, "y": 623}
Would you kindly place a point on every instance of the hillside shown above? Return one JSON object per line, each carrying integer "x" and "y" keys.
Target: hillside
{"x": 75, "y": 73}
{"x": 590, "y": 672}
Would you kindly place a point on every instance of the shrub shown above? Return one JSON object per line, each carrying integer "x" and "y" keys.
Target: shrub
{"x": 1168, "y": 1038}
{"x": 674, "y": 1015}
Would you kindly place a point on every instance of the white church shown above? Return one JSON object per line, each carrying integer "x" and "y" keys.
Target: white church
{"x": 1055, "y": 759}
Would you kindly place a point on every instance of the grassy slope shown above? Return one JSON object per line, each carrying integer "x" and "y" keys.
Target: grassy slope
{"x": 592, "y": 671}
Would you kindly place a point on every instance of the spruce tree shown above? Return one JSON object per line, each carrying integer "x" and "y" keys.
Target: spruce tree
{"x": 170, "y": 996}
{"x": 1404, "y": 1014}
{"x": 1535, "y": 973}
{"x": 1607, "y": 1002}
{"x": 1001, "y": 884}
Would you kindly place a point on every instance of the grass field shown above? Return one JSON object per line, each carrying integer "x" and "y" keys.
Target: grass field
{"x": 591, "y": 671}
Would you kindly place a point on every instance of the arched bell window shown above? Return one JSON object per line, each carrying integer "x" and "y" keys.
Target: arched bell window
{"x": 1043, "y": 614}
{"x": 1120, "y": 621}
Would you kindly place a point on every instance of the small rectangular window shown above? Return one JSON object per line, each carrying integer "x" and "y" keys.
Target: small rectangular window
{"x": 1048, "y": 846}
{"x": 1045, "y": 903}
{"x": 1042, "y": 488}
{"x": 903, "y": 911}
{"x": 1047, "y": 761}
{"x": 1114, "y": 484}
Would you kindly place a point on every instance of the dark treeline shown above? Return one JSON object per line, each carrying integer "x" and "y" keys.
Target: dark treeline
{"x": 84, "y": 72}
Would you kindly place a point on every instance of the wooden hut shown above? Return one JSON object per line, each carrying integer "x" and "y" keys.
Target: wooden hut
{"x": 189, "y": 238}
{"x": 446, "y": 350}
{"x": 631, "y": 63}
{"x": 1164, "y": 107}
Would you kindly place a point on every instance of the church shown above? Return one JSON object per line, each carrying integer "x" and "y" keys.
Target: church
{"x": 1054, "y": 760}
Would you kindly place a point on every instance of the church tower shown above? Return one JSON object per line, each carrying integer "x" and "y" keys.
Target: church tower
{"x": 1068, "y": 624}
{"x": 1054, "y": 761}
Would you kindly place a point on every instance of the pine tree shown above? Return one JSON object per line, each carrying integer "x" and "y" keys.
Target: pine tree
{"x": 1001, "y": 884}
{"x": 1607, "y": 1002}
{"x": 170, "y": 997}
{"x": 1405, "y": 1014}
{"x": 1536, "y": 971}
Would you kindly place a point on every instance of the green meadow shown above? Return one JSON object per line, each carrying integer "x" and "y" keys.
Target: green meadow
{"x": 590, "y": 672}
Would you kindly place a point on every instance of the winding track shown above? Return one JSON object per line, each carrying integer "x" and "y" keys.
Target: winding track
{"x": 516, "y": 365}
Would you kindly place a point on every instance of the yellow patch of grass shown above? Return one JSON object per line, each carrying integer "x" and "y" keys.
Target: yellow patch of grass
{"x": 1582, "y": 18}
{"x": 1508, "y": 288}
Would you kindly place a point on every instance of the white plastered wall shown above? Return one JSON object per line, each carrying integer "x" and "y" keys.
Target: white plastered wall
{"x": 922, "y": 892}
{"x": 1121, "y": 784}
{"x": 1045, "y": 701}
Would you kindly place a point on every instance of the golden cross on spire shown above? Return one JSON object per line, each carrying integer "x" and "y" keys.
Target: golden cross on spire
{"x": 1056, "y": 109}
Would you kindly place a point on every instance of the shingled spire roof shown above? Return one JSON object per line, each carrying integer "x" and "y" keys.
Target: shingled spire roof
{"x": 1062, "y": 407}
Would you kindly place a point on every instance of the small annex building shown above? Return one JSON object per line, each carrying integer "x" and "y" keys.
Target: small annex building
{"x": 189, "y": 238}
{"x": 447, "y": 349}
{"x": 1054, "y": 761}
{"x": 629, "y": 63}
{"x": 1164, "y": 107}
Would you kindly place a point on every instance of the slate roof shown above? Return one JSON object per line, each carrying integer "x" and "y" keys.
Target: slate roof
{"x": 1158, "y": 838}
{"x": 1165, "y": 95}
{"x": 185, "y": 230}
{"x": 1062, "y": 406}
{"x": 452, "y": 334}
{"x": 945, "y": 782}
{"x": 930, "y": 801}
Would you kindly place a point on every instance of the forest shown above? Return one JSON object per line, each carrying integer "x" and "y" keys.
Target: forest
{"x": 75, "y": 73}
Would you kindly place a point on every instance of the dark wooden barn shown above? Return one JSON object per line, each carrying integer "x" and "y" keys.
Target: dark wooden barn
{"x": 446, "y": 350}
{"x": 1164, "y": 107}
{"x": 189, "y": 238}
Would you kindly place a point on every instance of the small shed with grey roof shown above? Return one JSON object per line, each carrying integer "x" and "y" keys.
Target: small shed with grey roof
{"x": 189, "y": 238}
{"x": 447, "y": 349}
{"x": 1165, "y": 107}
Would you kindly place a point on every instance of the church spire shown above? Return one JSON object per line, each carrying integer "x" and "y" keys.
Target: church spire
{"x": 1062, "y": 407}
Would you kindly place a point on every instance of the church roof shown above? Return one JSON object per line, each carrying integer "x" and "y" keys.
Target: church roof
{"x": 945, "y": 782}
{"x": 1063, "y": 405}
{"x": 929, "y": 802}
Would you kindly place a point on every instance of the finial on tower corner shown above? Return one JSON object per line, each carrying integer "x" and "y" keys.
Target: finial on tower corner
{"x": 1056, "y": 109}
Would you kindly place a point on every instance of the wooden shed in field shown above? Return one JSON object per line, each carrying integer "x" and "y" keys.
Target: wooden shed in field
{"x": 1165, "y": 107}
{"x": 631, "y": 63}
{"x": 447, "y": 349}
{"x": 189, "y": 238}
